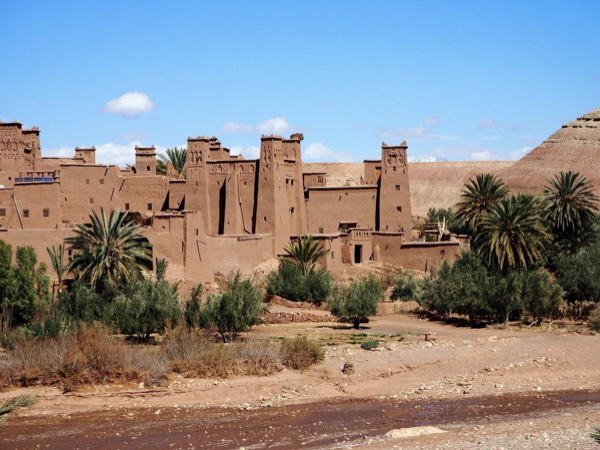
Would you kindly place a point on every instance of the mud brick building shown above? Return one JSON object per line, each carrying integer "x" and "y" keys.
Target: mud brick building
{"x": 227, "y": 213}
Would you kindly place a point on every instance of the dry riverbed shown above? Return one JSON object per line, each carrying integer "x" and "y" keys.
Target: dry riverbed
{"x": 484, "y": 388}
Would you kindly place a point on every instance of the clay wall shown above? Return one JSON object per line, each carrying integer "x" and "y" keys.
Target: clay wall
{"x": 372, "y": 171}
{"x": 206, "y": 255}
{"x": 145, "y": 161}
{"x": 314, "y": 179}
{"x": 39, "y": 205}
{"x": 327, "y": 207}
{"x": 390, "y": 248}
{"x": 144, "y": 194}
{"x": 87, "y": 155}
{"x": 39, "y": 240}
{"x": 88, "y": 187}
{"x": 176, "y": 194}
{"x": 55, "y": 163}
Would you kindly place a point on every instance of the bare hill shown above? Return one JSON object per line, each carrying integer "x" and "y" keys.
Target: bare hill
{"x": 432, "y": 184}
{"x": 576, "y": 146}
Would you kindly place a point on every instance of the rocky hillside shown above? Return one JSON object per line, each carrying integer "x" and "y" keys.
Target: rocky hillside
{"x": 576, "y": 146}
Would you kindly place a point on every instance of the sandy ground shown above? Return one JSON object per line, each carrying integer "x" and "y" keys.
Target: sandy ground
{"x": 463, "y": 363}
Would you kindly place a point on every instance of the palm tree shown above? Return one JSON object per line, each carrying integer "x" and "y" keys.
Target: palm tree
{"x": 109, "y": 250}
{"x": 570, "y": 206}
{"x": 306, "y": 252}
{"x": 177, "y": 157}
{"x": 513, "y": 233}
{"x": 57, "y": 258}
{"x": 478, "y": 197}
{"x": 8, "y": 406}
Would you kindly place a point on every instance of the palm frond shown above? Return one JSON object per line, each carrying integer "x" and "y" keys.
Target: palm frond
{"x": 8, "y": 406}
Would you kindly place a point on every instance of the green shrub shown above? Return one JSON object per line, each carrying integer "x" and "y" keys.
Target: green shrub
{"x": 579, "y": 274}
{"x": 80, "y": 303}
{"x": 541, "y": 296}
{"x": 358, "y": 301}
{"x": 292, "y": 283}
{"x": 193, "y": 306}
{"x": 594, "y": 319}
{"x": 144, "y": 307}
{"x": 406, "y": 288}
{"x": 300, "y": 353}
{"x": 237, "y": 308}
{"x": 24, "y": 288}
{"x": 369, "y": 345}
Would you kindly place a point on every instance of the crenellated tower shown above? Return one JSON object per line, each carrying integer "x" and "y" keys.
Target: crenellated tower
{"x": 394, "y": 208}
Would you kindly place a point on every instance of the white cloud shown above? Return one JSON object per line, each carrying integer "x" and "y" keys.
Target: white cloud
{"x": 136, "y": 135}
{"x": 232, "y": 127}
{"x": 518, "y": 154}
{"x": 431, "y": 121}
{"x": 60, "y": 152}
{"x": 483, "y": 155}
{"x": 252, "y": 152}
{"x": 319, "y": 152}
{"x": 420, "y": 134}
{"x": 129, "y": 105}
{"x": 487, "y": 123}
{"x": 277, "y": 125}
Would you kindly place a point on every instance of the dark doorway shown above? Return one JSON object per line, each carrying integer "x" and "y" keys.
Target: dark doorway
{"x": 357, "y": 254}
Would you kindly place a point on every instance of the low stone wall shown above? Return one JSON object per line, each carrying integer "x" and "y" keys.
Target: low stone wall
{"x": 301, "y": 317}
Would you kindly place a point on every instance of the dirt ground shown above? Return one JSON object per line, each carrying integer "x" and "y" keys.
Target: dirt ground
{"x": 483, "y": 388}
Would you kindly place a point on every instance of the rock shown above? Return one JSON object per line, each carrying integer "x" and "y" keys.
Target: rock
{"x": 348, "y": 368}
{"x": 414, "y": 431}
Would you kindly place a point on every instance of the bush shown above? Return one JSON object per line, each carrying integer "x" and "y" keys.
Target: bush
{"x": 594, "y": 319}
{"x": 542, "y": 297}
{"x": 468, "y": 287}
{"x": 369, "y": 345}
{"x": 193, "y": 354}
{"x": 88, "y": 356}
{"x": 193, "y": 306}
{"x": 145, "y": 307}
{"x": 358, "y": 301}
{"x": 234, "y": 310}
{"x": 24, "y": 289}
{"x": 406, "y": 288}
{"x": 300, "y": 353}
{"x": 290, "y": 282}
{"x": 80, "y": 303}
{"x": 579, "y": 274}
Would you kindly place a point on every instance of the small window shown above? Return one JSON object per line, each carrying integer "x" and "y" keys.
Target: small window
{"x": 2, "y": 212}
{"x": 126, "y": 206}
{"x": 46, "y": 212}
{"x": 25, "y": 213}
{"x": 397, "y": 187}
{"x": 149, "y": 206}
{"x": 287, "y": 181}
{"x": 394, "y": 168}
{"x": 320, "y": 230}
{"x": 332, "y": 255}
{"x": 87, "y": 181}
{"x": 148, "y": 168}
{"x": 91, "y": 200}
{"x": 196, "y": 230}
{"x": 265, "y": 218}
{"x": 399, "y": 208}
{"x": 292, "y": 182}
{"x": 101, "y": 180}
{"x": 70, "y": 252}
{"x": 292, "y": 209}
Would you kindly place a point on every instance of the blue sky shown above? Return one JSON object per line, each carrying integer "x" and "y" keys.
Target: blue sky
{"x": 457, "y": 80}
